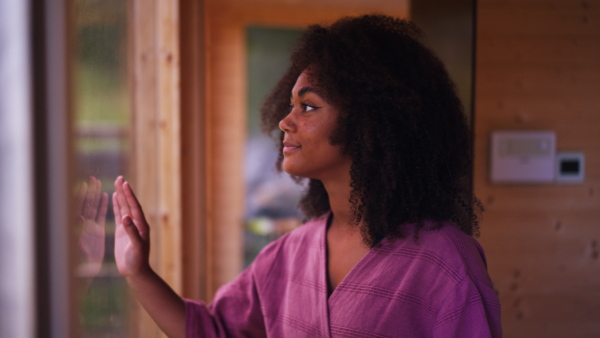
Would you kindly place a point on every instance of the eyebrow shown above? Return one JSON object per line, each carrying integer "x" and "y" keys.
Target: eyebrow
{"x": 305, "y": 90}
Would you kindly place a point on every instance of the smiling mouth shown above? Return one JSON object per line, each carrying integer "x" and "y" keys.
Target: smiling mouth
{"x": 289, "y": 148}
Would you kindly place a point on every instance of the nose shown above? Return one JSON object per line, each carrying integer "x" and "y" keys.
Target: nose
{"x": 287, "y": 125}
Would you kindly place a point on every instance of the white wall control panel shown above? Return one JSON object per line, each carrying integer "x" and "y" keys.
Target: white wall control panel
{"x": 523, "y": 156}
{"x": 570, "y": 167}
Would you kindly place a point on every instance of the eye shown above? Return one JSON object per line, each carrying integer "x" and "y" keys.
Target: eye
{"x": 291, "y": 107}
{"x": 307, "y": 107}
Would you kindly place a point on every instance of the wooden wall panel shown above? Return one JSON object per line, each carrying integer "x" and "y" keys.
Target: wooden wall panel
{"x": 538, "y": 67}
{"x": 583, "y": 50}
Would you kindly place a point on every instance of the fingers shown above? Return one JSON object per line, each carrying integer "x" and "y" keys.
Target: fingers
{"x": 132, "y": 230}
{"x": 130, "y": 206}
{"x": 92, "y": 198}
{"x": 136, "y": 211}
{"x": 81, "y": 197}
{"x": 103, "y": 208}
{"x": 134, "y": 204}
{"x": 97, "y": 190}
{"x": 116, "y": 208}
{"x": 89, "y": 197}
{"x": 122, "y": 202}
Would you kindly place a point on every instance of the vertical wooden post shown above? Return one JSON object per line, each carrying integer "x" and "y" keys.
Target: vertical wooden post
{"x": 194, "y": 257}
{"x": 225, "y": 135}
{"x": 169, "y": 145}
{"x": 155, "y": 139}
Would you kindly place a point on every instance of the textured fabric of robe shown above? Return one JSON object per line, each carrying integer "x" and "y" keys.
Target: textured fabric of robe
{"x": 437, "y": 286}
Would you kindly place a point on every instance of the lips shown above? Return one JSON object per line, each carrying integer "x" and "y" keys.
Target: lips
{"x": 289, "y": 147}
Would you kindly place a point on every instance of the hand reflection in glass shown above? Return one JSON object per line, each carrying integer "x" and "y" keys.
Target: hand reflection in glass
{"x": 92, "y": 205}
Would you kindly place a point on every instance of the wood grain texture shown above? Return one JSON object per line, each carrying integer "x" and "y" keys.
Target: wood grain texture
{"x": 537, "y": 68}
{"x": 155, "y": 139}
{"x": 194, "y": 251}
{"x": 143, "y": 136}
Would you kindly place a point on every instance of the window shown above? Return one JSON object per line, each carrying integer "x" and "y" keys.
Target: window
{"x": 101, "y": 125}
{"x": 271, "y": 197}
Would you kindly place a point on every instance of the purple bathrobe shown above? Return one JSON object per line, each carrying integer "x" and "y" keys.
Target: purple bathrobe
{"x": 437, "y": 286}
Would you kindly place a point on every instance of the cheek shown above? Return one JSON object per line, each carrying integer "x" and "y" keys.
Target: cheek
{"x": 318, "y": 131}
{"x": 312, "y": 128}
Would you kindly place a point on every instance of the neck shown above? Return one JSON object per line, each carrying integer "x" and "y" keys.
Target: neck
{"x": 338, "y": 190}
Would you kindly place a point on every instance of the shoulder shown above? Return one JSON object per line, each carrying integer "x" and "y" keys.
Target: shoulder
{"x": 469, "y": 299}
{"x": 446, "y": 269}
{"x": 440, "y": 260}
{"x": 447, "y": 248}
{"x": 461, "y": 251}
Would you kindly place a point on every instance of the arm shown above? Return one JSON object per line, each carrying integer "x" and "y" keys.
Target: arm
{"x": 132, "y": 248}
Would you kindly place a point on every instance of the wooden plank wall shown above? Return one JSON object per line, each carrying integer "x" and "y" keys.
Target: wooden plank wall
{"x": 538, "y": 67}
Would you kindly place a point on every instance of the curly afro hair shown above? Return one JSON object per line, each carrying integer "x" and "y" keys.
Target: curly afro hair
{"x": 400, "y": 120}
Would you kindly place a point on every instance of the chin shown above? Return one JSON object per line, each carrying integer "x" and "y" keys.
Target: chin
{"x": 290, "y": 170}
{"x": 293, "y": 170}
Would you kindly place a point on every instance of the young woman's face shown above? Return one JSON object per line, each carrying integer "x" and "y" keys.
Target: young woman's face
{"x": 307, "y": 151}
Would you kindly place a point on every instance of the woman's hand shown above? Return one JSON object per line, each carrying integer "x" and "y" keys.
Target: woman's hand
{"x": 92, "y": 205}
{"x": 132, "y": 234}
{"x": 132, "y": 250}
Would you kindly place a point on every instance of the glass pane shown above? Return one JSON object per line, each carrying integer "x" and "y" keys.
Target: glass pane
{"x": 101, "y": 138}
{"x": 271, "y": 197}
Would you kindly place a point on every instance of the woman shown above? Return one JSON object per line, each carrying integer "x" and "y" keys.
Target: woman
{"x": 371, "y": 118}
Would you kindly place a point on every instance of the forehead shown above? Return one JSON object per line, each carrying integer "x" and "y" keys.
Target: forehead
{"x": 301, "y": 81}
{"x": 303, "y": 85}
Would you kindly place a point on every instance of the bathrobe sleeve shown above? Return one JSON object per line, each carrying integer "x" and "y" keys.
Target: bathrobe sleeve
{"x": 234, "y": 312}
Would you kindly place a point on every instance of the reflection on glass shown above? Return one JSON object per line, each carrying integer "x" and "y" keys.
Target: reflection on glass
{"x": 101, "y": 123}
{"x": 92, "y": 205}
{"x": 271, "y": 197}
